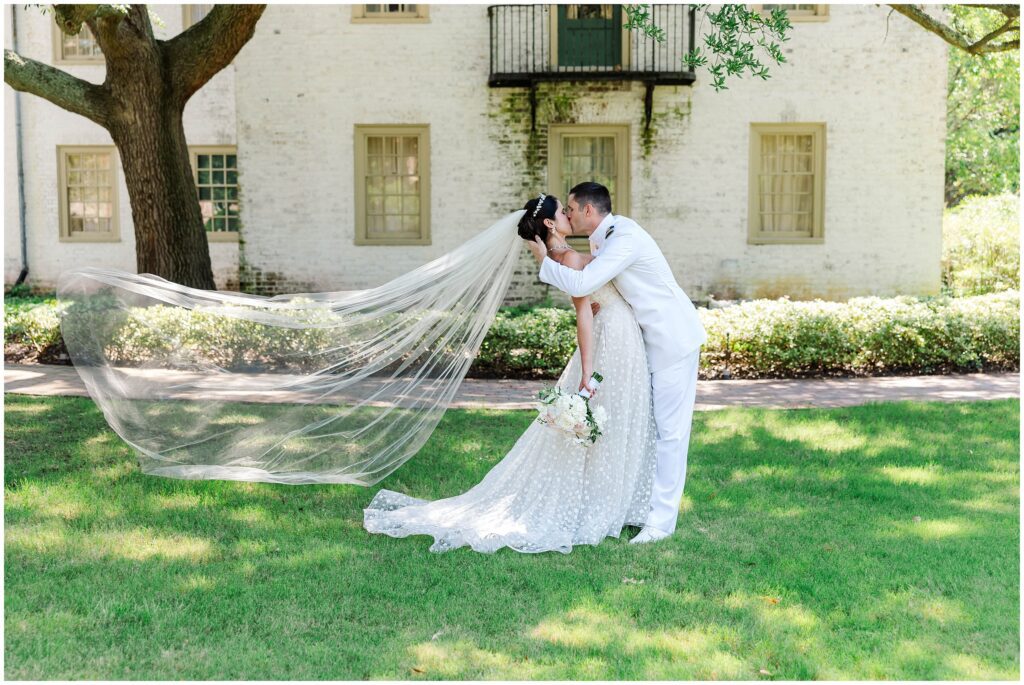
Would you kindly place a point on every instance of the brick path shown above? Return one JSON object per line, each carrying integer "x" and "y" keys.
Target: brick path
{"x": 51, "y": 379}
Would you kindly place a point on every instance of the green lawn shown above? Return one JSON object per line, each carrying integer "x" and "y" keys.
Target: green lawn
{"x": 876, "y": 542}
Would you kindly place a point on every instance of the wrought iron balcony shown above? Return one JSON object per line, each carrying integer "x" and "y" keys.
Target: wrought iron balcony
{"x": 532, "y": 43}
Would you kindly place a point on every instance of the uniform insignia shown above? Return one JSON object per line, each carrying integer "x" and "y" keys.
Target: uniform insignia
{"x": 611, "y": 229}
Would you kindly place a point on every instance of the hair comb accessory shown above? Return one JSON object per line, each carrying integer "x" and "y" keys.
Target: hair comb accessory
{"x": 540, "y": 201}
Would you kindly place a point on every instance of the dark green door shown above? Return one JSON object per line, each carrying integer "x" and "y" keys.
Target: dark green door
{"x": 589, "y": 35}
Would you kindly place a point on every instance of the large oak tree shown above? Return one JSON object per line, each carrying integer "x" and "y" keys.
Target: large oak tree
{"x": 141, "y": 102}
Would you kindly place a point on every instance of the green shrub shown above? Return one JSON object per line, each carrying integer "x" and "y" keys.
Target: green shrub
{"x": 758, "y": 339}
{"x": 981, "y": 246}
{"x": 32, "y": 322}
{"x": 864, "y": 336}
{"x": 536, "y": 344}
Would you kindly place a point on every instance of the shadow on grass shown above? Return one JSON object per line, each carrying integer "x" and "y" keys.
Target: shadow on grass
{"x": 869, "y": 542}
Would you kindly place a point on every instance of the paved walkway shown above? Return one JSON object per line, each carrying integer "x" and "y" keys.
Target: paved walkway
{"x": 52, "y": 379}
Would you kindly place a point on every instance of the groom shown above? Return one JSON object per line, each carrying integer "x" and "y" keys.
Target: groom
{"x": 672, "y": 331}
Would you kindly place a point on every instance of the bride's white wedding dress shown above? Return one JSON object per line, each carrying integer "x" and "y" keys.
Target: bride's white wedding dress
{"x": 549, "y": 493}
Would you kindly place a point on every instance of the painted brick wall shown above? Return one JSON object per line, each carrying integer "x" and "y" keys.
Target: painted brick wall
{"x": 309, "y": 75}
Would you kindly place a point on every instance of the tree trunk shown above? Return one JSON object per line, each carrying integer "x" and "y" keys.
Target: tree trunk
{"x": 145, "y": 121}
{"x": 169, "y": 233}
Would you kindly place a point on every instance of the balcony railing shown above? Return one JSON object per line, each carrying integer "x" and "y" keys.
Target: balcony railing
{"x": 531, "y": 43}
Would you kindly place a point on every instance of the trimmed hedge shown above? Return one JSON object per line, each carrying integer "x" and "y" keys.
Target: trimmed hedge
{"x": 758, "y": 339}
{"x": 866, "y": 336}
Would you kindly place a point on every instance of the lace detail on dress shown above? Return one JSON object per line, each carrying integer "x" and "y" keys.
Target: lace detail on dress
{"x": 548, "y": 493}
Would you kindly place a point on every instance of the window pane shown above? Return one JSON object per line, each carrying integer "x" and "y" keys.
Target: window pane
{"x": 197, "y": 13}
{"x": 786, "y": 183}
{"x": 587, "y": 158}
{"x": 792, "y": 9}
{"x": 392, "y": 203}
{"x": 88, "y": 192}
{"x": 390, "y": 9}
{"x": 81, "y": 46}
{"x": 217, "y": 186}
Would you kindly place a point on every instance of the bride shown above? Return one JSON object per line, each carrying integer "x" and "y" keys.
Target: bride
{"x": 548, "y": 493}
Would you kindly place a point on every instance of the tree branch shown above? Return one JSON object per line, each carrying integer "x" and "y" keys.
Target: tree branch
{"x": 1008, "y": 26}
{"x": 956, "y": 39}
{"x": 198, "y": 53}
{"x": 1008, "y": 10}
{"x": 57, "y": 86}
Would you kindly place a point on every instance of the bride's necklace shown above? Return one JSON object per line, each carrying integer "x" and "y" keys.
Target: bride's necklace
{"x": 564, "y": 246}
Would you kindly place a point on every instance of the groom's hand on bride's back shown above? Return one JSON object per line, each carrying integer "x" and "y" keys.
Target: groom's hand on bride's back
{"x": 594, "y": 307}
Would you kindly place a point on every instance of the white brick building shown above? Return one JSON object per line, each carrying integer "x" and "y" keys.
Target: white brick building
{"x": 312, "y": 104}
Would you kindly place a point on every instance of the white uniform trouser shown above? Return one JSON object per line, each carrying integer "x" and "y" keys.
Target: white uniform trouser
{"x": 675, "y": 391}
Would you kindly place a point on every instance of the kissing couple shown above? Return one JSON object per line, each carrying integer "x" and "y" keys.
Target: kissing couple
{"x": 638, "y": 329}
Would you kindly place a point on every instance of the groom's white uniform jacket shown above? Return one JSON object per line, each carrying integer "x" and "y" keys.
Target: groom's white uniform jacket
{"x": 627, "y": 253}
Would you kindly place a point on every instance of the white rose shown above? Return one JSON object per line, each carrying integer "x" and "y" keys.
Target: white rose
{"x": 600, "y": 415}
{"x": 565, "y": 422}
{"x": 579, "y": 408}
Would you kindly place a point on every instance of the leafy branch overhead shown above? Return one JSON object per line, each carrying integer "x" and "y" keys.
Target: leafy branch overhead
{"x": 736, "y": 31}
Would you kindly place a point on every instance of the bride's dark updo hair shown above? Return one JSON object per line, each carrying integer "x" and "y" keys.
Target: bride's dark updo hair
{"x": 530, "y": 225}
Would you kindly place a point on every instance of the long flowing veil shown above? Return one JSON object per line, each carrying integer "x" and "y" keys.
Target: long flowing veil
{"x": 331, "y": 387}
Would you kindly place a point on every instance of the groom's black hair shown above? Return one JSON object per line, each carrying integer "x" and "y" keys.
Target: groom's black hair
{"x": 590, "y": 192}
{"x": 530, "y": 225}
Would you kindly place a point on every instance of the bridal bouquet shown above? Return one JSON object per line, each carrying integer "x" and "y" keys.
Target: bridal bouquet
{"x": 572, "y": 413}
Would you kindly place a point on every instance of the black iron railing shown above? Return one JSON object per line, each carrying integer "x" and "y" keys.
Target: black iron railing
{"x": 531, "y": 43}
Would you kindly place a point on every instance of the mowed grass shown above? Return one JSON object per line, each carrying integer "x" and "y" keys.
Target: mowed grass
{"x": 875, "y": 542}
